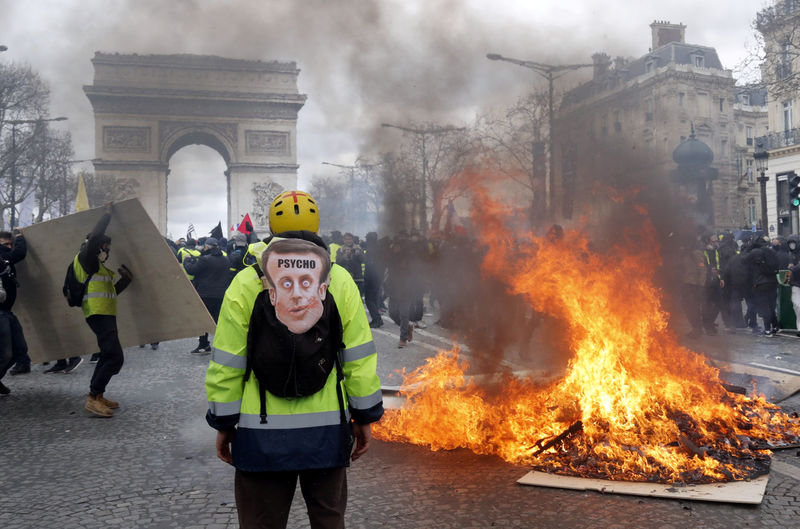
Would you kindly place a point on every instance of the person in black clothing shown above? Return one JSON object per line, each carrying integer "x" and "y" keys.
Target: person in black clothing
{"x": 374, "y": 269}
{"x": 237, "y": 253}
{"x": 351, "y": 257}
{"x": 763, "y": 263}
{"x": 737, "y": 277}
{"x": 13, "y": 348}
{"x": 211, "y": 279}
{"x": 399, "y": 285}
{"x": 785, "y": 256}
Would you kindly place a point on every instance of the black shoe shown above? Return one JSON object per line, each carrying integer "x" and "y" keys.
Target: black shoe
{"x": 20, "y": 370}
{"x": 4, "y": 389}
{"x": 154, "y": 346}
{"x": 376, "y": 323}
{"x": 72, "y": 364}
{"x": 201, "y": 350}
{"x": 58, "y": 367}
{"x": 95, "y": 357}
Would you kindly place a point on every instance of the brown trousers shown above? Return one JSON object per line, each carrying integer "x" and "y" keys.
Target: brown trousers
{"x": 263, "y": 499}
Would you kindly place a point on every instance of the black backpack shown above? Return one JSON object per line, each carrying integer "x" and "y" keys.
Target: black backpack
{"x": 292, "y": 365}
{"x": 73, "y": 289}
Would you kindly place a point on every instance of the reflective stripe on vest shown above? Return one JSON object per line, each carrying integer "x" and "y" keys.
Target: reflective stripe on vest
{"x": 287, "y": 422}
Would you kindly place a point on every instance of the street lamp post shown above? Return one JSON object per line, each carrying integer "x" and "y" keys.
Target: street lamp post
{"x": 549, "y": 72}
{"x": 761, "y": 158}
{"x": 14, "y": 123}
{"x": 423, "y": 133}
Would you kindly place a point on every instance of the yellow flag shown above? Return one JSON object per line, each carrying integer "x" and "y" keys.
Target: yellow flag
{"x": 81, "y": 200}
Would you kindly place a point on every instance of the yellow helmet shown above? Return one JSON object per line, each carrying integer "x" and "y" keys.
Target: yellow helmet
{"x": 293, "y": 210}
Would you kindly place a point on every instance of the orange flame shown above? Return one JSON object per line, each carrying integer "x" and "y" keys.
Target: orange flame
{"x": 651, "y": 410}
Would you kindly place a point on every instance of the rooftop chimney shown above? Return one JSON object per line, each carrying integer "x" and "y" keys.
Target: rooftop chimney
{"x": 664, "y": 33}
{"x": 601, "y": 63}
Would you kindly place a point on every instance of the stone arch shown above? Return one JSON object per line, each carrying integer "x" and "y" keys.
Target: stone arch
{"x": 195, "y": 134}
{"x": 147, "y": 107}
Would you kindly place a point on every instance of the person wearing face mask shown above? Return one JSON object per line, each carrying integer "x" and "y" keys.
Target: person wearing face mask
{"x": 211, "y": 279}
{"x": 305, "y": 438}
{"x": 100, "y": 310}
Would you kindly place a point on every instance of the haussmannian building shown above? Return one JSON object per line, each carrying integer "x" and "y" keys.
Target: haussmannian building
{"x": 648, "y": 107}
{"x": 778, "y": 25}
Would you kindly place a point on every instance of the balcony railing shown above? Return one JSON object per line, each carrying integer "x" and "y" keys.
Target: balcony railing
{"x": 777, "y": 140}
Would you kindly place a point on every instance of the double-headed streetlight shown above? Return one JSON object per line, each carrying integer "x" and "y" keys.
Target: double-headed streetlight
{"x": 423, "y": 133}
{"x": 14, "y": 123}
{"x": 549, "y": 72}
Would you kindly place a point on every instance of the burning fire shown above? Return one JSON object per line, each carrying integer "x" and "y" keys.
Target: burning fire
{"x": 632, "y": 405}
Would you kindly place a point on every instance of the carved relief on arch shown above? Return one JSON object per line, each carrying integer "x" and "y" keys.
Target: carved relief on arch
{"x": 126, "y": 139}
{"x": 263, "y": 195}
{"x": 170, "y": 132}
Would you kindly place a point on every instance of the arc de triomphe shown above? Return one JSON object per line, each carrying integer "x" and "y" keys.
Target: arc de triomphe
{"x": 147, "y": 107}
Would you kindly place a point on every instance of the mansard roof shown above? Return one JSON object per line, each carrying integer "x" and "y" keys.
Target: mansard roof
{"x": 671, "y": 53}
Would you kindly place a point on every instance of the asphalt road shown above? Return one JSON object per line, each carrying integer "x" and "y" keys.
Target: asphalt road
{"x": 153, "y": 464}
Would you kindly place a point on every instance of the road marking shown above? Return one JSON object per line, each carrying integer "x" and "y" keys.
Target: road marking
{"x": 786, "y": 469}
{"x": 773, "y": 368}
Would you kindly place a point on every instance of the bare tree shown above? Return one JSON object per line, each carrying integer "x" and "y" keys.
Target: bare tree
{"x": 438, "y": 152}
{"x": 514, "y": 144}
{"x": 53, "y": 174}
{"x": 24, "y": 99}
{"x": 776, "y": 50}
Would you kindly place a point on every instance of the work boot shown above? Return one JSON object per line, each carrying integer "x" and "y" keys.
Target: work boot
{"x": 111, "y": 404}
{"x": 96, "y": 406}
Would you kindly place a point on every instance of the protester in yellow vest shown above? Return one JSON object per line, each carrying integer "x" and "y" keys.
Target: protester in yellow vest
{"x": 273, "y": 440}
{"x": 100, "y": 309}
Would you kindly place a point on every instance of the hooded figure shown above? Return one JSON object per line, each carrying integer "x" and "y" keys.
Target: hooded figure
{"x": 211, "y": 279}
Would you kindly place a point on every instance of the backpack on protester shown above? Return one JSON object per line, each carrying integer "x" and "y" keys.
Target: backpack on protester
{"x": 292, "y": 365}
{"x": 73, "y": 289}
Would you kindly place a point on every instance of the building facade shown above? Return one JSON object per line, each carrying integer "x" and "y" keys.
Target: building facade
{"x": 779, "y": 72}
{"x": 643, "y": 108}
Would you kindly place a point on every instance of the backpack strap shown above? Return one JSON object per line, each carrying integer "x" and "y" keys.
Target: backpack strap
{"x": 248, "y": 367}
{"x": 339, "y": 379}
{"x": 262, "y": 394}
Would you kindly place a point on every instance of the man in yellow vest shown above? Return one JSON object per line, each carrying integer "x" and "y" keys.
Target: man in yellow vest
{"x": 272, "y": 440}
{"x": 100, "y": 310}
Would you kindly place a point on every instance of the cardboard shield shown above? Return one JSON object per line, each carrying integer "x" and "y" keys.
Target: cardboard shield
{"x": 160, "y": 304}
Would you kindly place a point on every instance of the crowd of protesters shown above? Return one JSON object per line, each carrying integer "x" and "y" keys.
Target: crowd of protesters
{"x": 737, "y": 282}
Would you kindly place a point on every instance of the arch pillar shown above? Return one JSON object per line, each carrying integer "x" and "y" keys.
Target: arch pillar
{"x": 146, "y": 180}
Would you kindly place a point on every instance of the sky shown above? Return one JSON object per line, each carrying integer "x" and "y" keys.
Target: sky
{"x": 362, "y": 62}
